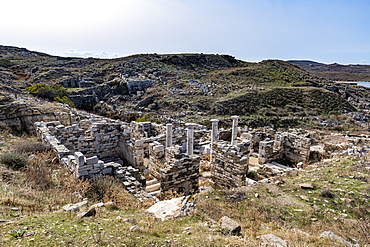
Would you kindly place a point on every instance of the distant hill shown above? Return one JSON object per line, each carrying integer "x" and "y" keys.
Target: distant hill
{"x": 192, "y": 87}
{"x": 304, "y": 62}
{"x": 335, "y": 72}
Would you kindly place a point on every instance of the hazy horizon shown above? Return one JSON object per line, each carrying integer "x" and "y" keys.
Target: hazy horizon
{"x": 323, "y": 31}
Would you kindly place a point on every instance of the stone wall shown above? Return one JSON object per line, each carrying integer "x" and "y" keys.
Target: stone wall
{"x": 230, "y": 163}
{"x": 100, "y": 146}
{"x": 176, "y": 171}
{"x": 88, "y": 166}
{"x": 288, "y": 147}
{"x": 171, "y": 166}
{"x": 98, "y": 138}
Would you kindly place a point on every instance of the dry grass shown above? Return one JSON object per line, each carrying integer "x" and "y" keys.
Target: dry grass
{"x": 33, "y": 203}
{"x": 31, "y": 146}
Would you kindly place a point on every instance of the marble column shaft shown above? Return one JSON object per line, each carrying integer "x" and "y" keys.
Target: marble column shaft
{"x": 168, "y": 135}
{"x": 234, "y": 133}
{"x": 190, "y": 139}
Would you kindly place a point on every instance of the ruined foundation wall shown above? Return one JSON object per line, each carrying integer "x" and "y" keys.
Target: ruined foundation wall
{"x": 101, "y": 138}
{"x": 230, "y": 164}
{"x": 85, "y": 167}
{"x": 174, "y": 170}
{"x": 286, "y": 146}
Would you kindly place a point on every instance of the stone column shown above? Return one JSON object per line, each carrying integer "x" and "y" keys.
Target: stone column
{"x": 168, "y": 135}
{"x": 234, "y": 130}
{"x": 214, "y": 135}
{"x": 190, "y": 139}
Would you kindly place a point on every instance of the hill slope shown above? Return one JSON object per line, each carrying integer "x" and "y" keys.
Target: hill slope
{"x": 177, "y": 85}
{"x": 335, "y": 72}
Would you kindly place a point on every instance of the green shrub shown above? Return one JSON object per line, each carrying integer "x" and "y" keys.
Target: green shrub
{"x": 142, "y": 119}
{"x": 5, "y": 63}
{"x": 48, "y": 91}
{"x": 17, "y": 233}
{"x": 14, "y": 161}
{"x": 65, "y": 100}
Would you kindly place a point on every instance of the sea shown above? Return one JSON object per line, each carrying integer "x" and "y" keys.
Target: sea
{"x": 360, "y": 83}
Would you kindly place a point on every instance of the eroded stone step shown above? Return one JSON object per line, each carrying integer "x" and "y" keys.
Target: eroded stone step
{"x": 151, "y": 182}
{"x": 153, "y": 187}
{"x": 155, "y": 193}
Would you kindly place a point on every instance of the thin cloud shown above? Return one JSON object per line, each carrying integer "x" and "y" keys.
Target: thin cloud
{"x": 84, "y": 54}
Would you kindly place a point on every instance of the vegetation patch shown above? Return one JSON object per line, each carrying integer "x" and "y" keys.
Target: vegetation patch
{"x": 14, "y": 161}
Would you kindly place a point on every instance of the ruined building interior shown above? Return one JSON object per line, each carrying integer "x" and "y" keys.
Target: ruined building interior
{"x": 151, "y": 158}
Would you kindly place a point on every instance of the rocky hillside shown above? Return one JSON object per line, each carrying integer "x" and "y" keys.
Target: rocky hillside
{"x": 335, "y": 72}
{"x": 192, "y": 87}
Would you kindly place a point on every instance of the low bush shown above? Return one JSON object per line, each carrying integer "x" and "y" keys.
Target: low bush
{"x": 14, "y": 160}
{"x": 327, "y": 193}
{"x": 102, "y": 187}
{"x": 4, "y": 128}
{"x": 49, "y": 92}
{"x": 108, "y": 188}
{"x": 39, "y": 176}
{"x": 31, "y": 147}
{"x": 65, "y": 100}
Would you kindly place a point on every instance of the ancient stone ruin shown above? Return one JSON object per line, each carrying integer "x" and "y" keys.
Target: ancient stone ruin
{"x": 151, "y": 158}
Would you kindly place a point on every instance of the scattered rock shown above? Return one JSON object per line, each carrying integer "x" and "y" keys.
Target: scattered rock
{"x": 307, "y": 186}
{"x": 98, "y": 205}
{"x": 298, "y": 231}
{"x": 90, "y": 213}
{"x": 303, "y": 197}
{"x": 131, "y": 220}
{"x": 229, "y": 224}
{"x": 71, "y": 208}
{"x": 273, "y": 240}
{"x": 110, "y": 205}
{"x": 331, "y": 235}
{"x": 134, "y": 228}
{"x": 83, "y": 203}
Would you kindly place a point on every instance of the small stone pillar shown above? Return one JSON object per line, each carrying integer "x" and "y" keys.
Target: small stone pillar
{"x": 214, "y": 135}
{"x": 234, "y": 133}
{"x": 168, "y": 135}
{"x": 265, "y": 151}
{"x": 80, "y": 159}
{"x": 190, "y": 139}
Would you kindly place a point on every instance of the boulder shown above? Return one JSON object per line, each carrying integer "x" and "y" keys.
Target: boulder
{"x": 71, "y": 208}
{"x": 331, "y": 235}
{"x": 176, "y": 207}
{"x": 229, "y": 224}
{"x": 90, "y": 213}
{"x": 306, "y": 186}
{"x": 273, "y": 240}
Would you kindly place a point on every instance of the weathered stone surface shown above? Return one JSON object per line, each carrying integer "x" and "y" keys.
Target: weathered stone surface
{"x": 90, "y": 213}
{"x": 331, "y": 235}
{"x": 231, "y": 225}
{"x": 273, "y": 240}
{"x": 306, "y": 186}
{"x": 71, "y": 208}
{"x": 176, "y": 207}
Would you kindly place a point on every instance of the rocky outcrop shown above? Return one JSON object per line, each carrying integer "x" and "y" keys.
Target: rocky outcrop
{"x": 21, "y": 114}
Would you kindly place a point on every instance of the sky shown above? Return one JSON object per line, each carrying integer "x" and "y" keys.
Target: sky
{"x": 328, "y": 31}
